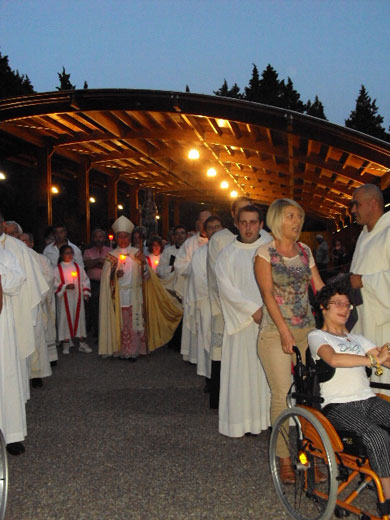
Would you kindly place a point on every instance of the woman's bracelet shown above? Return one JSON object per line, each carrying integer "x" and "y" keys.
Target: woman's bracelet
{"x": 375, "y": 363}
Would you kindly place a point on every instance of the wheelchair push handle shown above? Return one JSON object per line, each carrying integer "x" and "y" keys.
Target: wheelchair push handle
{"x": 297, "y": 353}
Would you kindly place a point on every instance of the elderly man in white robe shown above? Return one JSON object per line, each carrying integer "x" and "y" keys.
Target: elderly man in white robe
{"x": 371, "y": 268}
{"x": 182, "y": 274}
{"x": 26, "y": 303}
{"x": 217, "y": 242}
{"x": 244, "y": 403}
{"x": 12, "y": 405}
{"x": 121, "y": 320}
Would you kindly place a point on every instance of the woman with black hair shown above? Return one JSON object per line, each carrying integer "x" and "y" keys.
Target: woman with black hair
{"x": 349, "y": 402}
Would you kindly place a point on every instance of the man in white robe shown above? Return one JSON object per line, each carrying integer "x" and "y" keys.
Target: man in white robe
{"x": 26, "y": 302}
{"x": 52, "y": 251}
{"x": 217, "y": 242}
{"x": 182, "y": 274}
{"x": 166, "y": 266}
{"x": 45, "y": 332}
{"x": 244, "y": 403}
{"x": 197, "y": 304}
{"x": 12, "y": 404}
{"x": 371, "y": 269}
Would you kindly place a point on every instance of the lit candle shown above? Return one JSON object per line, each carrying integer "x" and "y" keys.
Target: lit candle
{"x": 123, "y": 258}
{"x": 111, "y": 238}
{"x": 156, "y": 262}
{"x": 74, "y": 275}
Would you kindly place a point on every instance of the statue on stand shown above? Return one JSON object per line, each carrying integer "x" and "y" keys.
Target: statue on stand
{"x": 148, "y": 214}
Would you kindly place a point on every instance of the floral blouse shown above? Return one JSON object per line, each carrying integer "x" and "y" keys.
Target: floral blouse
{"x": 291, "y": 278}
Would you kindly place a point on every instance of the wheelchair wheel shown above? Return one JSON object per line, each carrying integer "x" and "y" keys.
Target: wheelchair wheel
{"x": 3, "y": 477}
{"x": 313, "y": 496}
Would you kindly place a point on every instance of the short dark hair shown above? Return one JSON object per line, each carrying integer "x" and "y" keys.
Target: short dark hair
{"x": 252, "y": 208}
{"x": 179, "y": 226}
{"x": 212, "y": 218}
{"x": 324, "y": 296}
{"x": 62, "y": 249}
{"x": 155, "y": 238}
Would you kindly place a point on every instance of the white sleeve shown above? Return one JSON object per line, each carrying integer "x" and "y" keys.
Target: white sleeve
{"x": 164, "y": 269}
{"x": 316, "y": 339}
{"x": 12, "y": 274}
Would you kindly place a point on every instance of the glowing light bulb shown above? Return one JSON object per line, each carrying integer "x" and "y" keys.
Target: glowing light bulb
{"x": 211, "y": 172}
{"x": 92, "y": 200}
{"x": 224, "y": 185}
{"x": 193, "y": 154}
{"x": 55, "y": 190}
{"x": 2, "y": 176}
{"x": 120, "y": 206}
{"x": 233, "y": 194}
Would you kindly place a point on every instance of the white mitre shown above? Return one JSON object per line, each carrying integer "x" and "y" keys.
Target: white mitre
{"x": 122, "y": 224}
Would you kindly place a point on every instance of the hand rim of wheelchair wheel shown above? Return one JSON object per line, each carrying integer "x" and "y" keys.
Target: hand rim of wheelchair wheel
{"x": 3, "y": 477}
{"x": 306, "y": 492}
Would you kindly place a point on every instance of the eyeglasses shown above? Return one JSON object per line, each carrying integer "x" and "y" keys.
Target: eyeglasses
{"x": 341, "y": 305}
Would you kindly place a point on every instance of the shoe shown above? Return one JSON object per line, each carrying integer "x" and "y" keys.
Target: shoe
{"x": 132, "y": 359}
{"x": 65, "y": 348}
{"x": 384, "y": 507}
{"x": 83, "y": 347}
{"x": 37, "y": 382}
{"x": 15, "y": 448}
{"x": 287, "y": 475}
{"x": 53, "y": 363}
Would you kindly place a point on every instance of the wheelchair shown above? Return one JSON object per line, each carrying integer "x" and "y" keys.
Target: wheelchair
{"x": 333, "y": 477}
{"x": 3, "y": 476}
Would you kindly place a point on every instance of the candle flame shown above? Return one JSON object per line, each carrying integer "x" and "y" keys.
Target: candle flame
{"x": 74, "y": 274}
{"x": 156, "y": 262}
{"x": 122, "y": 257}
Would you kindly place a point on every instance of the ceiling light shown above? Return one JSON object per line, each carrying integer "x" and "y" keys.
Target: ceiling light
{"x": 233, "y": 194}
{"x": 55, "y": 190}
{"x": 157, "y": 217}
{"x": 2, "y": 176}
{"x": 92, "y": 200}
{"x": 211, "y": 172}
{"x": 224, "y": 185}
{"x": 193, "y": 154}
{"x": 120, "y": 206}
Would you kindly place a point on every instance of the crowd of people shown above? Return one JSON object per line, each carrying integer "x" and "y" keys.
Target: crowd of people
{"x": 233, "y": 301}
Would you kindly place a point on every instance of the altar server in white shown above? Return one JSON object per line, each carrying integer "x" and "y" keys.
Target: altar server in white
{"x": 244, "y": 403}
{"x": 12, "y": 406}
{"x": 371, "y": 268}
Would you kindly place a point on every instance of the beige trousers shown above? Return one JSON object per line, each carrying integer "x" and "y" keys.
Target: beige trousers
{"x": 277, "y": 367}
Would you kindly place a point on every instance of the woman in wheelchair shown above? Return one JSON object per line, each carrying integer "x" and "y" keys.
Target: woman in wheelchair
{"x": 349, "y": 402}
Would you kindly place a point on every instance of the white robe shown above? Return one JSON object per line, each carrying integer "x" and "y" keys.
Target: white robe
{"x": 218, "y": 241}
{"x": 49, "y": 308}
{"x": 197, "y": 316}
{"x": 25, "y": 304}
{"x": 70, "y": 303}
{"x": 164, "y": 270}
{"x": 12, "y": 393}
{"x": 244, "y": 402}
{"x": 39, "y": 360}
{"x": 371, "y": 258}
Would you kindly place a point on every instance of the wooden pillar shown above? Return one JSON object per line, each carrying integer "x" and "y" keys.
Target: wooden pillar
{"x": 164, "y": 216}
{"x": 134, "y": 205}
{"x": 45, "y": 209}
{"x": 176, "y": 213}
{"x": 113, "y": 197}
{"x": 84, "y": 204}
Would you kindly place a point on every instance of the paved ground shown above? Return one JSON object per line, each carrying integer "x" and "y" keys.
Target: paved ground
{"x": 114, "y": 440}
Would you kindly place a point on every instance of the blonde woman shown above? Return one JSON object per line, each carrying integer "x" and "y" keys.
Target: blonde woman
{"x": 284, "y": 269}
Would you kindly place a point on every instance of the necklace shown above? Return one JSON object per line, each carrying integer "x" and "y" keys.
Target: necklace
{"x": 342, "y": 335}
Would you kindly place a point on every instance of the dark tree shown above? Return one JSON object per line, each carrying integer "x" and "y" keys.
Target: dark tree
{"x": 225, "y": 91}
{"x": 365, "y": 117}
{"x": 65, "y": 83}
{"x": 187, "y": 88}
{"x": 85, "y": 85}
{"x": 252, "y": 91}
{"x": 290, "y": 98}
{"x": 315, "y": 109}
{"x": 11, "y": 82}
{"x": 270, "y": 91}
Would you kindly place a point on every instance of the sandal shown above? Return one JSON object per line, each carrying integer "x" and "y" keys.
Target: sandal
{"x": 287, "y": 474}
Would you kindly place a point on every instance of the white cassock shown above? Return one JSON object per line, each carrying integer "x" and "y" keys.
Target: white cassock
{"x": 197, "y": 316}
{"x": 244, "y": 401}
{"x": 371, "y": 258}
{"x": 217, "y": 242}
{"x": 49, "y": 308}
{"x": 12, "y": 393}
{"x": 26, "y": 303}
{"x": 164, "y": 269}
{"x": 182, "y": 274}
{"x": 52, "y": 253}
{"x": 39, "y": 360}
{"x": 70, "y": 303}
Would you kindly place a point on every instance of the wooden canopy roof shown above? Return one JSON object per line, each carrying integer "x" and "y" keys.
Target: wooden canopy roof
{"x": 143, "y": 137}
